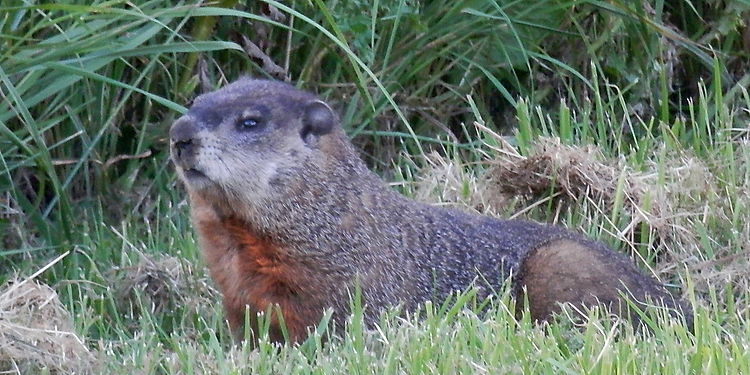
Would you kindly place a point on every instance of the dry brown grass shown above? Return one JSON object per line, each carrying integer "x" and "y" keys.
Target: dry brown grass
{"x": 161, "y": 285}
{"x": 575, "y": 174}
{"x": 161, "y": 282}
{"x": 36, "y": 332}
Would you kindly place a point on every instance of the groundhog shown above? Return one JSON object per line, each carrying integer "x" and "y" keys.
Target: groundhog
{"x": 291, "y": 221}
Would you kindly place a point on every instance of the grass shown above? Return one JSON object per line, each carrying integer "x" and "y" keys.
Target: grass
{"x": 635, "y": 118}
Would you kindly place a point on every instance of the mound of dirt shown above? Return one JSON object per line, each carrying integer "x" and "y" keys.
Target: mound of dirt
{"x": 568, "y": 175}
{"x": 160, "y": 285}
{"x": 572, "y": 173}
{"x": 160, "y": 281}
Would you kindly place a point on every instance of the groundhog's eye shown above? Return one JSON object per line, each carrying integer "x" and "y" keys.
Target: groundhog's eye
{"x": 248, "y": 122}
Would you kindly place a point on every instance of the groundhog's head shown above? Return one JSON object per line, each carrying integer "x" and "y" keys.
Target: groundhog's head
{"x": 244, "y": 137}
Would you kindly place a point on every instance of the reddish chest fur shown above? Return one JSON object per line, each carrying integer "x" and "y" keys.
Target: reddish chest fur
{"x": 253, "y": 271}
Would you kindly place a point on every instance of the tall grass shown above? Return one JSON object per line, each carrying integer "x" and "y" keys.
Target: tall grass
{"x": 91, "y": 88}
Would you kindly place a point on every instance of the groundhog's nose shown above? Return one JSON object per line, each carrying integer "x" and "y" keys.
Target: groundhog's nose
{"x": 182, "y": 135}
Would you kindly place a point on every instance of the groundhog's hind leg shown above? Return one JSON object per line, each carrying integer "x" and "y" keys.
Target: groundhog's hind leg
{"x": 586, "y": 275}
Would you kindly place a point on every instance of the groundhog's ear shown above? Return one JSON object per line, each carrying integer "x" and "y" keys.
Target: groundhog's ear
{"x": 318, "y": 119}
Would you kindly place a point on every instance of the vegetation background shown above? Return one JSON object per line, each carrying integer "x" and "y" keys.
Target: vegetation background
{"x": 627, "y": 120}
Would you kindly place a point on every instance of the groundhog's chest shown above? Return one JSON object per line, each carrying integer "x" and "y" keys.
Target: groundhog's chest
{"x": 254, "y": 273}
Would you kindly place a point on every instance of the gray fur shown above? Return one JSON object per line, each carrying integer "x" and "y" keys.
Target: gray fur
{"x": 337, "y": 217}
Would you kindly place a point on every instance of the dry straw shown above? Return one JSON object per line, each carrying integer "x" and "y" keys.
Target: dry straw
{"x": 36, "y": 331}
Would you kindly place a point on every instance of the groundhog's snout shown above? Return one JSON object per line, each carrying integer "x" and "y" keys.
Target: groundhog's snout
{"x": 183, "y": 142}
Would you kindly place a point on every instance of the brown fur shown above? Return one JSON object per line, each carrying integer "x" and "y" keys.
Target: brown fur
{"x": 254, "y": 275}
{"x": 565, "y": 271}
